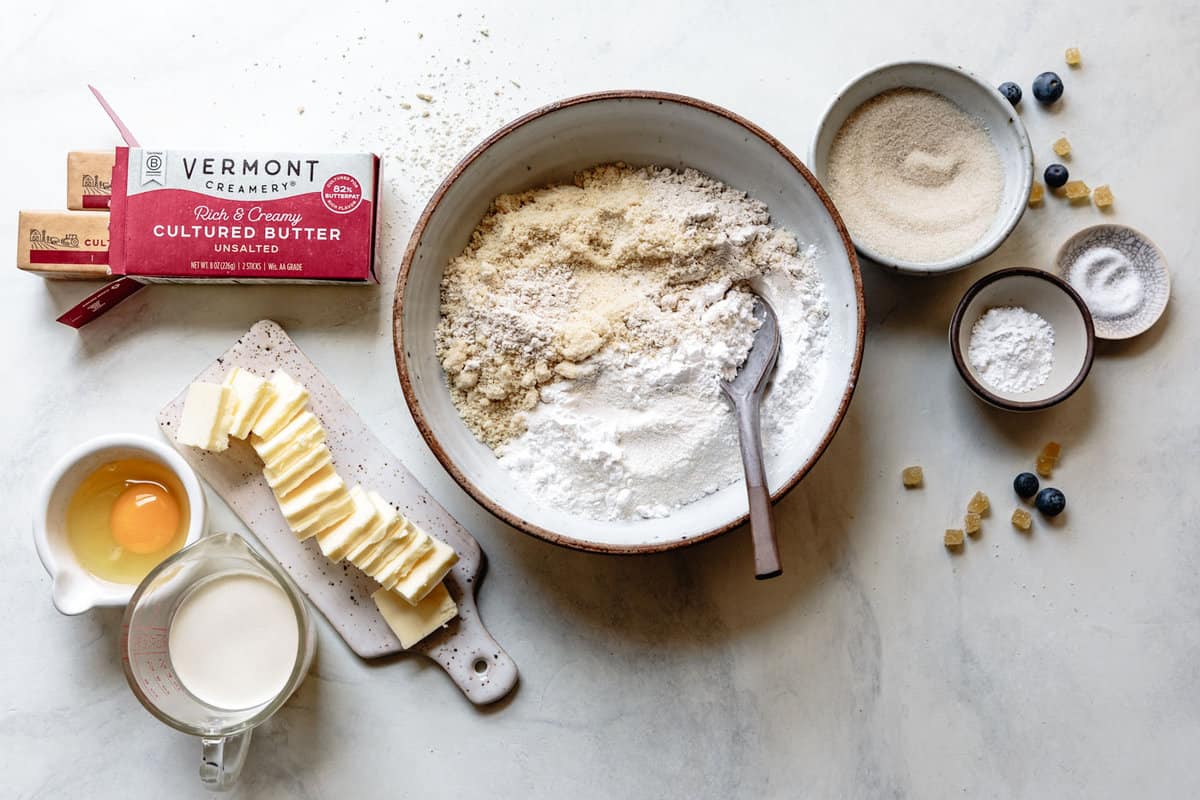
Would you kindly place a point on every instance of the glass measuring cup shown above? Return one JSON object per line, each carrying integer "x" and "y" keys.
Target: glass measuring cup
{"x": 224, "y": 733}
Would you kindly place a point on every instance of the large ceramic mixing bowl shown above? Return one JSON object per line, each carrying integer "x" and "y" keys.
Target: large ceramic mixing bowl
{"x": 550, "y": 145}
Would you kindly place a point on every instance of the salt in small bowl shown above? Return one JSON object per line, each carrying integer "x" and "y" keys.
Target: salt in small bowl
{"x": 1053, "y": 300}
{"x": 1147, "y": 265}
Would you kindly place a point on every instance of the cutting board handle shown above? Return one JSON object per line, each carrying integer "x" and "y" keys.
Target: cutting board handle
{"x": 477, "y": 664}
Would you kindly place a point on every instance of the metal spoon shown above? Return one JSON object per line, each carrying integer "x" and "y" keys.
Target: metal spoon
{"x": 745, "y": 392}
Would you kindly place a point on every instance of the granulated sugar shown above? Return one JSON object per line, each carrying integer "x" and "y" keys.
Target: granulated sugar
{"x": 1012, "y": 349}
{"x": 914, "y": 176}
{"x": 586, "y": 327}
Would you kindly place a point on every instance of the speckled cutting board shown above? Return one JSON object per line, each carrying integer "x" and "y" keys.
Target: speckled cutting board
{"x": 464, "y": 648}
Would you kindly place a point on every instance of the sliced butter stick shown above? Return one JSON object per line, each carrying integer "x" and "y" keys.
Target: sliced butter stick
{"x": 251, "y": 394}
{"x": 207, "y": 413}
{"x": 298, "y": 470}
{"x": 288, "y": 401}
{"x": 411, "y": 624}
{"x": 427, "y": 573}
{"x": 335, "y": 541}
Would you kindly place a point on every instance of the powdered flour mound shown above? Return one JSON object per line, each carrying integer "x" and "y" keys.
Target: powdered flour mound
{"x": 586, "y": 327}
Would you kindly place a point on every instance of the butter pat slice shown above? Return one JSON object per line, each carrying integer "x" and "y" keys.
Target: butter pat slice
{"x": 411, "y": 624}
{"x": 298, "y": 470}
{"x": 397, "y": 557}
{"x": 427, "y": 573}
{"x": 251, "y": 394}
{"x": 207, "y": 414}
{"x": 290, "y": 443}
{"x": 335, "y": 541}
{"x": 305, "y": 498}
{"x": 387, "y": 520}
{"x": 335, "y": 509}
{"x": 290, "y": 397}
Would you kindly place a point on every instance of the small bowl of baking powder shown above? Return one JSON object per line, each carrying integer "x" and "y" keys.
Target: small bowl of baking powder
{"x": 1022, "y": 339}
{"x": 929, "y": 166}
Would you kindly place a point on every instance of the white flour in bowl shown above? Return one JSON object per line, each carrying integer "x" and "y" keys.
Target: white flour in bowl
{"x": 586, "y": 327}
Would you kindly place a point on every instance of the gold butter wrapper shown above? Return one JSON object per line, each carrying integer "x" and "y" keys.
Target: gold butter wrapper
{"x": 63, "y": 244}
{"x": 89, "y": 179}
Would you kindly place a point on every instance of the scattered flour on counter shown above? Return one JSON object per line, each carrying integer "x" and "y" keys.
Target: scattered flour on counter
{"x": 1012, "y": 349}
{"x": 586, "y": 327}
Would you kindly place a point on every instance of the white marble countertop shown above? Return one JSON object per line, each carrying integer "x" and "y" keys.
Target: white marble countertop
{"x": 1062, "y": 664}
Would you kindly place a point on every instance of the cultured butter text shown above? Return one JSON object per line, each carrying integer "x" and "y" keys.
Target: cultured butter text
{"x": 317, "y": 234}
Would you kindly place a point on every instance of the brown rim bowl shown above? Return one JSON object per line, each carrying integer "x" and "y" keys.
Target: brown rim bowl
{"x": 550, "y": 145}
{"x": 1055, "y": 301}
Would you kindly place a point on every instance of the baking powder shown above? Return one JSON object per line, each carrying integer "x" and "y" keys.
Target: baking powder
{"x": 1012, "y": 349}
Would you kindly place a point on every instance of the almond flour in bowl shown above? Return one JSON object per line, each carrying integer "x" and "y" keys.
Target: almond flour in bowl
{"x": 586, "y": 326}
{"x": 915, "y": 176}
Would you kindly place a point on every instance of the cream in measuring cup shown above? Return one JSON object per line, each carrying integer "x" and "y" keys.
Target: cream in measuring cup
{"x": 215, "y": 641}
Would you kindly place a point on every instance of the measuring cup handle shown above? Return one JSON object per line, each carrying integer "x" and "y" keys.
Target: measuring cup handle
{"x": 221, "y": 760}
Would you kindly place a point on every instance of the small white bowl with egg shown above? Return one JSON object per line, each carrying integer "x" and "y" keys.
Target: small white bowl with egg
{"x": 854, "y": 200}
{"x": 75, "y": 588}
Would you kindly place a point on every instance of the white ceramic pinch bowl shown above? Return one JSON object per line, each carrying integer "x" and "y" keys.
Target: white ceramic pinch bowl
{"x": 550, "y": 145}
{"x": 1053, "y": 300}
{"x": 978, "y": 99}
{"x": 1146, "y": 264}
{"x": 75, "y": 589}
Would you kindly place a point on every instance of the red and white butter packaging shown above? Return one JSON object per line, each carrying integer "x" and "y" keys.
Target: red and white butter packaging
{"x": 182, "y": 216}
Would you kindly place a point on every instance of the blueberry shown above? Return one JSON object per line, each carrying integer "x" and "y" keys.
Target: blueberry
{"x": 1025, "y": 485}
{"x": 1051, "y": 502}
{"x": 1056, "y": 175}
{"x": 1047, "y": 88}
{"x": 1011, "y": 92}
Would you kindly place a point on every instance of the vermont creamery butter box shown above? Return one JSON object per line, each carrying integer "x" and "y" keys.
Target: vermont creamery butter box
{"x": 200, "y": 215}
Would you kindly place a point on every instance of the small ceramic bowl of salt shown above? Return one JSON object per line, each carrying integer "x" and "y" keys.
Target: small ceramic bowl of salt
{"x": 1121, "y": 275}
{"x": 1022, "y": 339}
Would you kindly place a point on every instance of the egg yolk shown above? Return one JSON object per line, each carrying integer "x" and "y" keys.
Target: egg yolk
{"x": 144, "y": 518}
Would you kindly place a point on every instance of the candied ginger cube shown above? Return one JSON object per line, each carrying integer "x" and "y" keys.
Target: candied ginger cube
{"x": 1103, "y": 196}
{"x": 1073, "y": 57}
{"x": 912, "y": 477}
{"x": 1022, "y": 520}
{"x": 1051, "y": 450}
{"x": 1036, "y": 193}
{"x": 972, "y": 523}
{"x": 1062, "y": 147}
{"x": 953, "y": 537}
{"x": 978, "y": 504}
{"x": 1077, "y": 190}
{"x": 1045, "y": 466}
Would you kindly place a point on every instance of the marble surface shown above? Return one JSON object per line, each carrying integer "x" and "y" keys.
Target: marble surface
{"x": 1061, "y": 664}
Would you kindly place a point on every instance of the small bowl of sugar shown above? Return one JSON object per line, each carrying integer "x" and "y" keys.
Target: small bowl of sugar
{"x": 929, "y": 166}
{"x": 1121, "y": 275}
{"x": 1022, "y": 339}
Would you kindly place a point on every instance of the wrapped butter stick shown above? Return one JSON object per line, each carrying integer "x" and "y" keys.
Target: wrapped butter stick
{"x": 89, "y": 179}
{"x": 63, "y": 244}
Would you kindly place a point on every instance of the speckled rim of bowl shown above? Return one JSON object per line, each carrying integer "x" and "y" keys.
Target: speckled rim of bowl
{"x": 975, "y": 253}
{"x": 414, "y": 406}
{"x": 960, "y": 361}
{"x": 1104, "y": 330}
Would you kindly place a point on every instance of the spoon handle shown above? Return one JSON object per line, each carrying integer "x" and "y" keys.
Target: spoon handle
{"x": 762, "y": 520}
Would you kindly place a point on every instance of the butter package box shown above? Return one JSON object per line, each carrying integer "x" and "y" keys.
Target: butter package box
{"x": 63, "y": 244}
{"x": 89, "y": 179}
{"x": 199, "y": 215}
